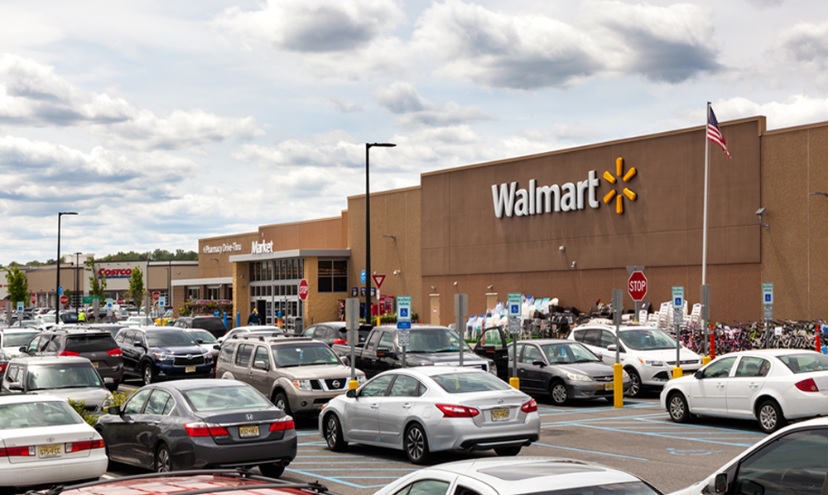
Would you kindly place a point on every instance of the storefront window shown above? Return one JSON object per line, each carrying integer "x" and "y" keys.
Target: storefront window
{"x": 332, "y": 276}
{"x": 193, "y": 294}
{"x": 213, "y": 293}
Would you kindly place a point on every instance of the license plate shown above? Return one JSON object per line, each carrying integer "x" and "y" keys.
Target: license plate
{"x": 249, "y": 431}
{"x": 189, "y": 369}
{"x": 49, "y": 451}
{"x": 608, "y": 386}
{"x": 500, "y": 414}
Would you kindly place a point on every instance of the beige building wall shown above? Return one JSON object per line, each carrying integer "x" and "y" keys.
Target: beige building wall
{"x": 794, "y": 245}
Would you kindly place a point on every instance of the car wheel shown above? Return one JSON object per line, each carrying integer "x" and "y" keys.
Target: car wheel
{"x": 635, "y": 384}
{"x": 333, "y": 433}
{"x": 678, "y": 408}
{"x": 415, "y": 444}
{"x": 147, "y": 374}
{"x": 280, "y": 400}
{"x": 770, "y": 416}
{"x": 558, "y": 392}
{"x": 272, "y": 470}
{"x": 163, "y": 459}
{"x": 508, "y": 451}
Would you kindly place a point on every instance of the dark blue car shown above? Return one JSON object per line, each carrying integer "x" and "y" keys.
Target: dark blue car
{"x": 163, "y": 353}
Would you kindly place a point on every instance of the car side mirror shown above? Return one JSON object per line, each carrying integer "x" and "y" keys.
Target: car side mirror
{"x": 138, "y": 343}
{"x": 720, "y": 484}
{"x": 698, "y": 374}
{"x": 539, "y": 363}
{"x": 388, "y": 353}
{"x": 260, "y": 365}
{"x": 114, "y": 410}
{"x": 352, "y": 394}
{"x": 16, "y": 387}
{"x": 200, "y": 341}
{"x": 611, "y": 347}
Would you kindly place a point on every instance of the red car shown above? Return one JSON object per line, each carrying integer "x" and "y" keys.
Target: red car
{"x": 210, "y": 482}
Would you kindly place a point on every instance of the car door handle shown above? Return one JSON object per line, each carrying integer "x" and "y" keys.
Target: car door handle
{"x": 407, "y": 405}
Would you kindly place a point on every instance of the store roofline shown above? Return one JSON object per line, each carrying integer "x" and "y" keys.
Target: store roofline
{"x": 292, "y": 253}
{"x": 203, "y": 281}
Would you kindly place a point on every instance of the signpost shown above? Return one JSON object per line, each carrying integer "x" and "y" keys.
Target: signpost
{"x": 768, "y": 302}
{"x": 404, "y": 323}
{"x": 303, "y": 289}
{"x": 618, "y": 389}
{"x": 514, "y": 300}
{"x": 637, "y": 290}
{"x": 352, "y": 316}
{"x": 461, "y": 305}
{"x": 678, "y": 297}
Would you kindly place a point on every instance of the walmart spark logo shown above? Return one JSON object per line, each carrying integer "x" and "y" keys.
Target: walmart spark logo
{"x": 625, "y": 178}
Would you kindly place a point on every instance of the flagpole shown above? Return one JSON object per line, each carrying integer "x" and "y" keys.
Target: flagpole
{"x": 705, "y": 198}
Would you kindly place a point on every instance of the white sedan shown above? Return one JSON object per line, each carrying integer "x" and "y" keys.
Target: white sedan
{"x": 771, "y": 385}
{"x": 518, "y": 476}
{"x": 432, "y": 408}
{"x": 44, "y": 441}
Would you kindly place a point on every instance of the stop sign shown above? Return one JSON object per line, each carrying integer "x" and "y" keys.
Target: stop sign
{"x": 303, "y": 289}
{"x": 34, "y": 298}
{"x": 637, "y": 285}
{"x": 64, "y": 299}
{"x": 156, "y": 295}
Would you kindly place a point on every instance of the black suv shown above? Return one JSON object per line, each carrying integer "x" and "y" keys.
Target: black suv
{"x": 163, "y": 353}
{"x": 96, "y": 345}
{"x": 213, "y": 324}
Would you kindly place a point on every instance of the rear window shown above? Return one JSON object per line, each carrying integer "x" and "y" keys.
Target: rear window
{"x": 209, "y": 324}
{"x": 805, "y": 363}
{"x": 90, "y": 343}
{"x": 459, "y": 383}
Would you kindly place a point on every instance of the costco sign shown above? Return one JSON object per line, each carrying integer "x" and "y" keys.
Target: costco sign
{"x": 115, "y": 272}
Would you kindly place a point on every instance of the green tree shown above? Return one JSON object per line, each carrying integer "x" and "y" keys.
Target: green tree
{"x": 97, "y": 286}
{"x": 18, "y": 284}
{"x": 136, "y": 290}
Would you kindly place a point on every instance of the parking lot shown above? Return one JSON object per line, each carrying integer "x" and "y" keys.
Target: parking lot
{"x": 638, "y": 438}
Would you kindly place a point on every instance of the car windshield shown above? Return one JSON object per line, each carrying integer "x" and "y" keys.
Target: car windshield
{"x": 568, "y": 353}
{"x": 647, "y": 339}
{"x": 170, "y": 339}
{"x": 205, "y": 336}
{"x": 805, "y": 363}
{"x": 17, "y": 339}
{"x": 36, "y": 414}
{"x": 304, "y": 355}
{"x": 460, "y": 383}
{"x": 627, "y": 488}
{"x": 51, "y": 377}
{"x": 226, "y": 398}
{"x": 434, "y": 341}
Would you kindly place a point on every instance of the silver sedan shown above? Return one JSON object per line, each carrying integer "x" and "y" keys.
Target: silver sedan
{"x": 432, "y": 408}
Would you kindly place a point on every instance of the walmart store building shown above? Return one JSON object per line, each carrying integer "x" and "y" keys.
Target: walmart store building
{"x": 565, "y": 224}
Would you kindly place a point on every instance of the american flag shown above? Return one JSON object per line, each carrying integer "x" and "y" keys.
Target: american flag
{"x": 714, "y": 134}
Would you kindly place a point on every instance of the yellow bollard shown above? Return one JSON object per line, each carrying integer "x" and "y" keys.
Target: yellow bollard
{"x": 677, "y": 372}
{"x": 706, "y": 360}
{"x": 513, "y": 382}
{"x": 353, "y": 384}
{"x": 618, "y": 386}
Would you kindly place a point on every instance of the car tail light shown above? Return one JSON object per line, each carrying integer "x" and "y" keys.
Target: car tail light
{"x": 807, "y": 385}
{"x": 286, "y": 423}
{"x": 69, "y": 353}
{"x": 115, "y": 352}
{"x": 205, "y": 430}
{"x": 340, "y": 341}
{"x": 3, "y": 367}
{"x": 453, "y": 411}
{"x": 85, "y": 445}
{"x": 531, "y": 406}
{"x": 17, "y": 452}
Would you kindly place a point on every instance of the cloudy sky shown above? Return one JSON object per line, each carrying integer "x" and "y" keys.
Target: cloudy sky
{"x": 164, "y": 122}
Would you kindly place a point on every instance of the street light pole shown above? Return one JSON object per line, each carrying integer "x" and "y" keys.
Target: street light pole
{"x": 368, "y": 232}
{"x": 78, "y": 297}
{"x": 57, "y": 280}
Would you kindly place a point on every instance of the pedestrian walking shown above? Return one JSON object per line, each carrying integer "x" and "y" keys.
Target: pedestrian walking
{"x": 253, "y": 319}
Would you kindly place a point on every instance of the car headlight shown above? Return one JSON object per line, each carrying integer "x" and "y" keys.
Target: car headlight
{"x": 160, "y": 356}
{"x": 651, "y": 362}
{"x": 302, "y": 384}
{"x": 208, "y": 358}
{"x": 578, "y": 377}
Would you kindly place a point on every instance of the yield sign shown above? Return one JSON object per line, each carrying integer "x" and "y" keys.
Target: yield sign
{"x": 379, "y": 278}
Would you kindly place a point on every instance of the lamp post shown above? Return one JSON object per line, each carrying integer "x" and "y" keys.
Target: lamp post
{"x": 57, "y": 281}
{"x": 368, "y": 231}
{"x": 78, "y": 297}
